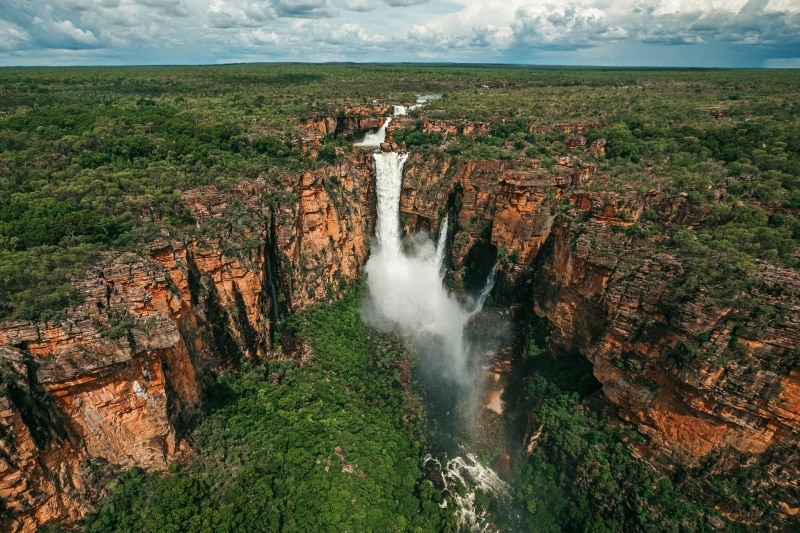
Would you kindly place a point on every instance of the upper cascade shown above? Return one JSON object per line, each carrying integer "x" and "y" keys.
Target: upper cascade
{"x": 375, "y": 138}
{"x": 388, "y": 181}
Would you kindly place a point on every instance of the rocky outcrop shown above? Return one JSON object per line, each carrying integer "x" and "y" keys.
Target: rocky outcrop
{"x": 107, "y": 383}
{"x": 447, "y": 127}
{"x": 111, "y": 383}
{"x": 324, "y": 242}
{"x": 713, "y": 390}
{"x": 347, "y": 122}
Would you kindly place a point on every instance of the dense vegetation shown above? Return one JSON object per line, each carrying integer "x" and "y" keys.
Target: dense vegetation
{"x": 93, "y": 159}
{"x": 579, "y": 476}
{"x": 332, "y": 445}
{"x": 96, "y": 159}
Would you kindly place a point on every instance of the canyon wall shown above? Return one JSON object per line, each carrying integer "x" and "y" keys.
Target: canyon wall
{"x": 109, "y": 385}
{"x": 709, "y": 381}
{"x": 712, "y": 389}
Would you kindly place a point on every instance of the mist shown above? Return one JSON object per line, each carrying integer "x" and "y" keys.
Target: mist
{"x": 406, "y": 294}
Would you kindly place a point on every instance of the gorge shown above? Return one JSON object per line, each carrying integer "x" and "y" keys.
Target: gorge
{"x": 691, "y": 350}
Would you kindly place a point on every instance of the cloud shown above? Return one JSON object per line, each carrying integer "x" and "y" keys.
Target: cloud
{"x": 69, "y": 30}
{"x": 262, "y": 37}
{"x": 175, "y": 8}
{"x": 752, "y": 24}
{"x": 232, "y": 14}
{"x": 77, "y": 5}
{"x": 358, "y": 5}
{"x": 63, "y": 34}
{"x": 404, "y": 3}
{"x": 720, "y": 32}
{"x": 12, "y": 37}
{"x": 303, "y": 8}
{"x": 563, "y": 28}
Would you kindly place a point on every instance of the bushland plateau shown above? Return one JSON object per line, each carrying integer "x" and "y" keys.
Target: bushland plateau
{"x": 182, "y": 255}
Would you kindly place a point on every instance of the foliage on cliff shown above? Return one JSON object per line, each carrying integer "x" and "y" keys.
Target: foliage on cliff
{"x": 332, "y": 445}
{"x": 576, "y": 474}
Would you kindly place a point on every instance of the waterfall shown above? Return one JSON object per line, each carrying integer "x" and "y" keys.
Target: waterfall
{"x": 388, "y": 183}
{"x": 407, "y": 296}
{"x": 375, "y": 138}
{"x": 441, "y": 244}
{"x": 487, "y": 289}
{"x": 405, "y": 287}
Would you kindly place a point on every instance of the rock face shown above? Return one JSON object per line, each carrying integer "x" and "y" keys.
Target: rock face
{"x": 347, "y": 122}
{"x": 109, "y": 385}
{"x": 714, "y": 391}
{"x": 711, "y": 392}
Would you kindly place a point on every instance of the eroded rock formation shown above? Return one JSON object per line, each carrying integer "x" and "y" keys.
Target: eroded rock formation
{"x": 110, "y": 383}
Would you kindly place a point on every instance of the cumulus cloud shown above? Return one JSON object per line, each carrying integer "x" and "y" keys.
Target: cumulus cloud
{"x": 69, "y": 30}
{"x": 12, "y": 37}
{"x": 63, "y": 34}
{"x": 263, "y": 37}
{"x": 752, "y": 23}
{"x": 408, "y": 30}
{"x": 175, "y": 8}
{"x": 563, "y": 28}
{"x": 358, "y": 5}
{"x": 233, "y": 14}
{"x": 77, "y": 5}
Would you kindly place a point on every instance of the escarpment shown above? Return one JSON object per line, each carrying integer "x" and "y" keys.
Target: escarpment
{"x": 109, "y": 384}
{"x": 710, "y": 385}
{"x": 711, "y": 388}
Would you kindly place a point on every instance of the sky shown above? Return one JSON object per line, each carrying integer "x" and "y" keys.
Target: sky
{"x": 678, "y": 33}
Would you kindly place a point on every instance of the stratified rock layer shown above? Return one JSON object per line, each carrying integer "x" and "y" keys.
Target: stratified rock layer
{"x": 112, "y": 381}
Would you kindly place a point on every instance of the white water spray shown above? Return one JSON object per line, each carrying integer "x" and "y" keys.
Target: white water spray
{"x": 469, "y": 473}
{"x": 406, "y": 287}
{"x": 375, "y": 138}
{"x": 407, "y": 296}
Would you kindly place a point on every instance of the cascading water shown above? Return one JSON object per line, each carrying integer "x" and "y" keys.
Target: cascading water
{"x": 405, "y": 288}
{"x": 406, "y": 295}
{"x": 469, "y": 473}
{"x": 375, "y": 138}
{"x": 440, "y": 248}
{"x": 401, "y": 110}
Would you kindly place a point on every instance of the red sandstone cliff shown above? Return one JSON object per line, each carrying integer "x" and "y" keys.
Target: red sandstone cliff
{"x": 712, "y": 388}
{"x": 112, "y": 380}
